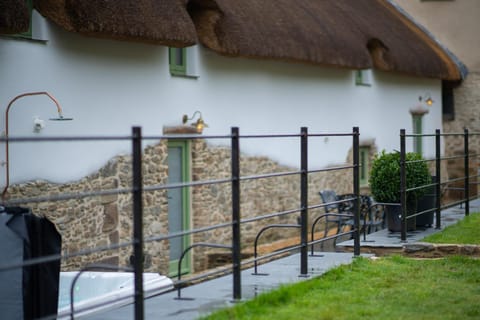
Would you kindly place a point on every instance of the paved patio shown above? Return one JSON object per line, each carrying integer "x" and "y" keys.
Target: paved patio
{"x": 387, "y": 239}
{"x": 210, "y": 295}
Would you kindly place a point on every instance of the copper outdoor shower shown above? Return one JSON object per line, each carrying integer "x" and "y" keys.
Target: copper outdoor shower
{"x": 7, "y": 162}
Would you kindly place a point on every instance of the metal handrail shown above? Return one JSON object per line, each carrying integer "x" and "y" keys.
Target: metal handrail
{"x": 258, "y": 236}
{"x": 199, "y": 244}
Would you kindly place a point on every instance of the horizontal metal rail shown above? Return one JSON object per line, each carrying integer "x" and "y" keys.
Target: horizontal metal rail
{"x": 269, "y": 175}
{"x": 271, "y": 215}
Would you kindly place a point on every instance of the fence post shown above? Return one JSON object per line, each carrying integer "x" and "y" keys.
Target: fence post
{"x": 403, "y": 186}
{"x": 236, "y": 254}
{"x": 304, "y": 202}
{"x": 137, "y": 189}
{"x": 356, "y": 190}
{"x": 438, "y": 170}
{"x": 467, "y": 173}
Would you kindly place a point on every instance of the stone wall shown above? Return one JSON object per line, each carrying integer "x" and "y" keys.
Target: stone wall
{"x": 211, "y": 204}
{"x": 430, "y": 250}
{"x": 99, "y": 221}
{"x": 467, "y": 115}
{"x": 467, "y": 109}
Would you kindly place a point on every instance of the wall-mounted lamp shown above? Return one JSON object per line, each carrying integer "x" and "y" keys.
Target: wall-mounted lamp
{"x": 199, "y": 124}
{"x": 427, "y": 98}
{"x": 59, "y": 118}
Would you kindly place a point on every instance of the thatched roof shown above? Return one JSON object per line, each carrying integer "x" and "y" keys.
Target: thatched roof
{"x": 14, "y": 16}
{"x": 164, "y": 22}
{"x": 356, "y": 34}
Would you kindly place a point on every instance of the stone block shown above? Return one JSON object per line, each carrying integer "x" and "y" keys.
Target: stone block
{"x": 113, "y": 261}
{"x": 448, "y": 249}
{"x": 110, "y": 219}
{"x": 419, "y": 246}
{"x": 114, "y": 237}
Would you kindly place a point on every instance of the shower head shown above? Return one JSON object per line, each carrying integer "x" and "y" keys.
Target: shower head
{"x": 60, "y": 118}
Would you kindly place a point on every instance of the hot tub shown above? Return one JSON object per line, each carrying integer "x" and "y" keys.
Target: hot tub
{"x": 99, "y": 291}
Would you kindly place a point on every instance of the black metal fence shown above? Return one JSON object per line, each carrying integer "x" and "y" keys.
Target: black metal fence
{"x": 138, "y": 191}
{"x": 303, "y": 208}
{"x": 440, "y": 185}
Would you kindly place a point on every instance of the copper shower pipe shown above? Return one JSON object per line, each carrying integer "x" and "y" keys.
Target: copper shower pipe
{"x": 7, "y": 162}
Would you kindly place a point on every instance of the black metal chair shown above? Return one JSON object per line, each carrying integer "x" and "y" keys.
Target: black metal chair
{"x": 333, "y": 204}
{"x": 372, "y": 215}
{"x": 377, "y": 216}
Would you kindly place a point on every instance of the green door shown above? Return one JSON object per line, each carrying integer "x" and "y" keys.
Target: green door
{"x": 178, "y": 204}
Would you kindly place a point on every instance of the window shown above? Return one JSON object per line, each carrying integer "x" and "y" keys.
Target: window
{"x": 27, "y": 34}
{"x": 36, "y": 26}
{"x": 183, "y": 61}
{"x": 417, "y": 129}
{"x": 363, "y": 77}
{"x": 448, "y": 101}
{"x": 364, "y": 163}
{"x": 178, "y": 61}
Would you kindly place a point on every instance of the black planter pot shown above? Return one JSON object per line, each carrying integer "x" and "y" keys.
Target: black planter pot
{"x": 394, "y": 218}
{"x": 427, "y": 202}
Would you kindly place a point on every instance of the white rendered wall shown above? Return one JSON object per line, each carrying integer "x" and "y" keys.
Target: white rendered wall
{"x": 109, "y": 86}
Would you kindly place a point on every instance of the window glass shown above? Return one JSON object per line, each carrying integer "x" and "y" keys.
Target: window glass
{"x": 363, "y": 77}
{"x": 178, "y": 56}
{"x": 178, "y": 62}
{"x": 448, "y": 101}
{"x": 27, "y": 34}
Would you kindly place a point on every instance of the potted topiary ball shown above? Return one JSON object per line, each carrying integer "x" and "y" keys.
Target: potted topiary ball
{"x": 385, "y": 185}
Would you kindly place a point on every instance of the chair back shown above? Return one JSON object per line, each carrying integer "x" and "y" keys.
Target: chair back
{"x": 365, "y": 207}
{"x": 329, "y": 196}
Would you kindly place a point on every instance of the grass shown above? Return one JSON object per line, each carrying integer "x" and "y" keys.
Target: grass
{"x": 388, "y": 288}
{"x": 392, "y": 287}
{"x": 466, "y": 231}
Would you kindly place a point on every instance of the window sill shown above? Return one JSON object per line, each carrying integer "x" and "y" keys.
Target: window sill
{"x": 363, "y": 84}
{"x": 22, "y": 38}
{"x": 188, "y": 76}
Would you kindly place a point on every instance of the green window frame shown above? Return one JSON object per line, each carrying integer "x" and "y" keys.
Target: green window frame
{"x": 358, "y": 77}
{"x": 177, "y": 58}
{"x": 417, "y": 129}
{"x": 364, "y": 154}
{"x": 27, "y": 34}
{"x": 363, "y": 77}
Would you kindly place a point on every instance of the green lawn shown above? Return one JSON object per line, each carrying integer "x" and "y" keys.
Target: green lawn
{"x": 387, "y": 288}
{"x": 466, "y": 231}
